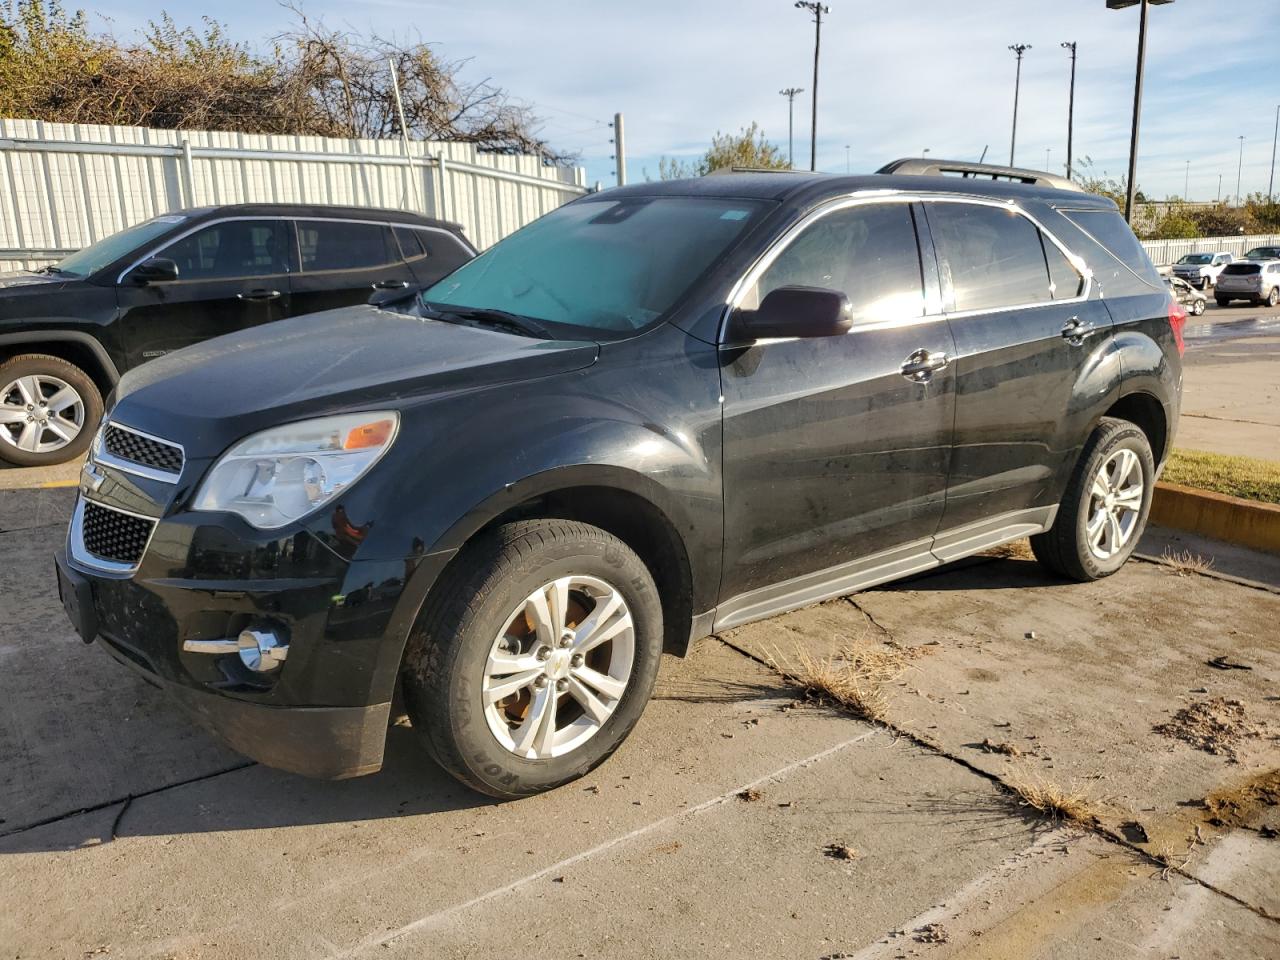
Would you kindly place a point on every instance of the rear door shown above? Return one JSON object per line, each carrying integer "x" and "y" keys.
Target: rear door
{"x": 342, "y": 262}
{"x": 232, "y": 274}
{"x": 835, "y": 456}
{"x": 430, "y": 253}
{"x": 1026, "y": 324}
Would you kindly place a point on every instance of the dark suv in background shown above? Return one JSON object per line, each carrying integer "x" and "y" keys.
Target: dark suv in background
{"x": 659, "y": 411}
{"x": 68, "y": 331}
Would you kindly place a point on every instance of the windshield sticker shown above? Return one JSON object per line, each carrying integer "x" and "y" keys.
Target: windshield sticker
{"x": 734, "y": 215}
{"x": 170, "y": 218}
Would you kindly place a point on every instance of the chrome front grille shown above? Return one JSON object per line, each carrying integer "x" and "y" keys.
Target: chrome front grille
{"x": 113, "y": 536}
{"x": 141, "y": 450}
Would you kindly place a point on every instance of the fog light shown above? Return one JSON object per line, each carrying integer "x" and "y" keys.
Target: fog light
{"x": 261, "y": 651}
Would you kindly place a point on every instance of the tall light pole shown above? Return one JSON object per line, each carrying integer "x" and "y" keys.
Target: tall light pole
{"x": 1186, "y": 184}
{"x": 1137, "y": 93}
{"x": 1271, "y": 184}
{"x": 1019, "y": 49}
{"x": 1046, "y": 158}
{"x": 1219, "y": 200}
{"x": 790, "y": 94}
{"x": 1071, "y": 101}
{"x": 846, "y": 157}
{"x": 817, "y": 9}
{"x": 1239, "y": 169}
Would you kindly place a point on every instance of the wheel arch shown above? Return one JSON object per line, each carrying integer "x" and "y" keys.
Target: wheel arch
{"x": 1147, "y": 413}
{"x": 73, "y": 346}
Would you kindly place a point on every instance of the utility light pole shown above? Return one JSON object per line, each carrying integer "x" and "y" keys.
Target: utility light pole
{"x": 1219, "y": 199}
{"x": 847, "y": 147}
{"x": 817, "y": 9}
{"x": 1186, "y": 184}
{"x": 1019, "y": 49}
{"x": 790, "y": 94}
{"x": 1239, "y": 169}
{"x": 1271, "y": 184}
{"x": 1071, "y": 101}
{"x": 1046, "y": 158}
{"x": 1137, "y": 94}
{"x": 619, "y": 151}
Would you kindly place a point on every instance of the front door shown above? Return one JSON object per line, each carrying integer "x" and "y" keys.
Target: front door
{"x": 343, "y": 262}
{"x": 836, "y": 449}
{"x": 1027, "y": 327}
{"x": 231, "y": 275}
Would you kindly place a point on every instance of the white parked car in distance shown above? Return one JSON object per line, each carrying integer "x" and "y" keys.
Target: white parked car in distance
{"x": 1202, "y": 269}
{"x": 1257, "y": 281}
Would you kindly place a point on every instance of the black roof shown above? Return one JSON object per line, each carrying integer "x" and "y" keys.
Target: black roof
{"x": 315, "y": 210}
{"x": 787, "y": 186}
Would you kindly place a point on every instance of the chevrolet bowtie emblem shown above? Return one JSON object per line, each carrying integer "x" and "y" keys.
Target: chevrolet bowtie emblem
{"x": 91, "y": 478}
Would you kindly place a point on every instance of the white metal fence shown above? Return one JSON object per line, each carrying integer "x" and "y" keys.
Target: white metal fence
{"x": 63, "y": 186}
{"x": 1165, "y": 252}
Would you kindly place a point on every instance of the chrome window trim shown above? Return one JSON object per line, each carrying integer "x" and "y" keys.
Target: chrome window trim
{"x": 156, "y": 251}
{"x": 99, "y": 454}
{"x": 80, "y": 553}
{"x": 933, "y": 311}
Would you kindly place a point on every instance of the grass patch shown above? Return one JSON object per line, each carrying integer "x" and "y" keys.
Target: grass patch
{"x": 852, "y": 679}
{"x": 1053, "y": 800}
{"x": 1245, "y": 477}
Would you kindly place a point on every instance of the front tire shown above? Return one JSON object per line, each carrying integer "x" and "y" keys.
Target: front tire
{"x": 49, "y": 410}
{"x": 1197, "y": 308}
{"x": 534, "y": 657}
{"x": 1105, "y": 507}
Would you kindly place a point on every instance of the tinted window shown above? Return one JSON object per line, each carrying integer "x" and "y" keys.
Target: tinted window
{"x": 94, "y": 257}
{"x": 868, "y": 252}
{"x": 342, "y": 245}
{"x": 991, "y": 256}
{"x": 1241, "y": 269}
{"x": 600, "y": 264}
{"x": 1064, "y": 278}
{"x": 1108, "y": 228}
{"x": 412, "y": 243}
{"x": 236, "y": 248}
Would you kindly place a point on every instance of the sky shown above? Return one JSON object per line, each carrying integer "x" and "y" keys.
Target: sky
{"x": 895, "y": 78}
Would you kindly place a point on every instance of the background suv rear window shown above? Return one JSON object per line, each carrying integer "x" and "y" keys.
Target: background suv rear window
{"x": 342, "y": 245}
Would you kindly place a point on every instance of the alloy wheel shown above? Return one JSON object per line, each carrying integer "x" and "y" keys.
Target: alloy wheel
{"x": 558, "y": 668}
{"x": 40, "y": 413}
{"x": 1115, "y": 503}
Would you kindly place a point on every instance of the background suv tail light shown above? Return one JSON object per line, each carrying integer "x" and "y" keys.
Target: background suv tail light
{"x": 1178, "y": 320}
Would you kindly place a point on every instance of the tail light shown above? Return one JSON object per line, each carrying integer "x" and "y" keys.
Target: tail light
{"x": 1178, "y": 320}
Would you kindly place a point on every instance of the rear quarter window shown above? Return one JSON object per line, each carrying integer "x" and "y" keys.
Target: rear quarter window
{"x": 1124, "y": 267}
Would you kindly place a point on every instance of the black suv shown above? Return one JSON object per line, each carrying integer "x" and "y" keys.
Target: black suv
{"x": 68, "y": 331}
{"x": 657, "y": 412}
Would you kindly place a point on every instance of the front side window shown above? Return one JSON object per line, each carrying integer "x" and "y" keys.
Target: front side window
{"x": 867, "y": 252}
{"x": 235, "y": 248}
{"x": 991, "y": 257}
{"x": 599, "y": 267}
{"x": 345, "y": 245}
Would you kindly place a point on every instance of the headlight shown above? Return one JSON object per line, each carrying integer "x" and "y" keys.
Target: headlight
{"x": 280, "y": 475}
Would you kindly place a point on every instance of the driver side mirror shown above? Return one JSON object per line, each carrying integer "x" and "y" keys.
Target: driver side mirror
{"x": 796, "y": 312}
{"x": 155, "y": 270}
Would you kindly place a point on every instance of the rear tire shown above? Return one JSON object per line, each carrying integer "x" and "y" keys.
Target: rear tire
{"x": 1273, "y": 298}
{"x": 501, "y": 683}
{"x": 49, "y": 410}
{"x": 1222, "y": 301}
{"x": 1105, "y": 507}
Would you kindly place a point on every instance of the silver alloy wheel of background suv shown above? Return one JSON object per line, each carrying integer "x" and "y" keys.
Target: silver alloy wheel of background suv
{"x": 558, "y": 668}
{"x": 1115, "y": 503}
{"x": 40, "y": 413}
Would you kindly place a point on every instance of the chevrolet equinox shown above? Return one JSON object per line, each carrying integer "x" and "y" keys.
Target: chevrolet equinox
{"x": 658, "y": 412}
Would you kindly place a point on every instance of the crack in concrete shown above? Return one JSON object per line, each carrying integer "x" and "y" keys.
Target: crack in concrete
{"x": 1005, "y": 787}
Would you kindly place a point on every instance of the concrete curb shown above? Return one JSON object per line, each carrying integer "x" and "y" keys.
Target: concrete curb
{"x": 1246, "y": 523}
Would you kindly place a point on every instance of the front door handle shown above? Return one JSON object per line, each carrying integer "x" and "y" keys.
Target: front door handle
{"x": 256, "y": 296}
{"x": 390, "y": 284}
{"x": 1075, "y": 332}
{"x": 922, "y": 364}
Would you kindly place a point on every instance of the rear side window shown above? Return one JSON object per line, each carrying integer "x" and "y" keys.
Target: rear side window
{"x": 991, "y": 257}
{"x": 412, "y": 243}
{"x": 344, "y": 245}
{"x": 235, "y": 248}
{"x": 1109, "y": 230}
{"x": 867, "y": 252}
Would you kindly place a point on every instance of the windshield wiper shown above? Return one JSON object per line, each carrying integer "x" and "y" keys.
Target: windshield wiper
{"x": 54, "y": 269}
{"x": 492, "y": 317}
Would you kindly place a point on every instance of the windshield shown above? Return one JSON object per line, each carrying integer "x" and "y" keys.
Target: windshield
{"x": 94, "y": 257}
{"x": 1263, "y": 253}
{"x": 600, "y": 268}
{"x": 1197, "y": 258}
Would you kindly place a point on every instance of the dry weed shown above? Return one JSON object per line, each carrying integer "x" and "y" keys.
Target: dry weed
{"x": 1185, "y": 563}
{"x": 852, "y": 679}
{"x": 1013, "y": 550}
{"x": 1055, "y": 801}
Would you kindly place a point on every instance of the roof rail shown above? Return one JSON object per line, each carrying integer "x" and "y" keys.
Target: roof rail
{"x": 987, "y": 171}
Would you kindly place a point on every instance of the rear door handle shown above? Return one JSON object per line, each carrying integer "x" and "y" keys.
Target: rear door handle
{"x": 257, "y": 295}
{"x": 1074, "y": 332}
{"x": 921, "y": 365}
{"x": 390, "y": 284}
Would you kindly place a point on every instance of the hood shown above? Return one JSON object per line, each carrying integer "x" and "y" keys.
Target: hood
{"x": 12, "y": 279}
{"x": 209, "y": 395}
